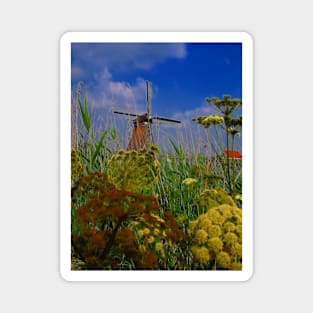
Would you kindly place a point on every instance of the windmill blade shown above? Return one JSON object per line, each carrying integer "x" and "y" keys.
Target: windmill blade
{"x": 125, "y": 113}
{"x": 165, "y": 119}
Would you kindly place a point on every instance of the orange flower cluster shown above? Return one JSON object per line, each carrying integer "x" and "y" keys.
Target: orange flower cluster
{"x": 103, "y": 236}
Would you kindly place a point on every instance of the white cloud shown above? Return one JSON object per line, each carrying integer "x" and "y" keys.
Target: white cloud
{"x": 91, "y": 63}
{"x": 109, "y": 94}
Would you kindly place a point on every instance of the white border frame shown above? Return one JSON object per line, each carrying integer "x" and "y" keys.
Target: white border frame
{"x": 65, "y": 159}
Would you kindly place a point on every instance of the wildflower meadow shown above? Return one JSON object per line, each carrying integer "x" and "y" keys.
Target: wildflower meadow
{"x": 152, "y": 208}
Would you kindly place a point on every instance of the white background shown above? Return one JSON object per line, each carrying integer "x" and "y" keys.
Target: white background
{"x": 29, "y": 73}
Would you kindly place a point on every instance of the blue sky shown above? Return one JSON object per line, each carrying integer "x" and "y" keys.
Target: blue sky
{"x": 182, "y": 75}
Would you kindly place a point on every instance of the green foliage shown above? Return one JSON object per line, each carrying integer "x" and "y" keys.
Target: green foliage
{"x": 84, "y": 113}
{"x": 91, "y": 145}
{"x": 178, "y": 150}
{"x": 97, "y": 148}
{"x": 77, "y": 168}
{"x": 181, "y": 177}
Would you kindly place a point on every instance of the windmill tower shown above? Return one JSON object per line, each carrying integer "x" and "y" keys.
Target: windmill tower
{"x": 142, "y": 131}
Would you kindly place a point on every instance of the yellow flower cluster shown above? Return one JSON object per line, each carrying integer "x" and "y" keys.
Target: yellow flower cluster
{"x": 211, "y": 198}
{"x": 150, "y": 236}
{"x": 216, "y": 238}
{"x": 201, "y": 254}
{"x": 201, "y": 237}
{"x": 210, "y": 120}
{"x": 134, "y": 170}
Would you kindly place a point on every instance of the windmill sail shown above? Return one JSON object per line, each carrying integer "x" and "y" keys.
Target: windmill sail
{"x": 124, "y": 113}
{"x": 165, "y": 119}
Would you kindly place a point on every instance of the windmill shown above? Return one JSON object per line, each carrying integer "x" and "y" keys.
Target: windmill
{"x": 142, "y": 130}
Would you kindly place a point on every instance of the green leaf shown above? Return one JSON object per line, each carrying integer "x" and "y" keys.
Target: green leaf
{"x": 179, "y": 151}
{"x": 174, "y": 145}
{"x": 99, "y": 145}
{"x": 85, "y": 114}
{"x": 113, "y": 133}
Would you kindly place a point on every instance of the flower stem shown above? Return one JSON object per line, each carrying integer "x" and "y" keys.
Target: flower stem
{"x": 233, "y": 162}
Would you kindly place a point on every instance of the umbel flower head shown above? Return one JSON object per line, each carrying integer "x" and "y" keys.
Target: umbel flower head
{"x": 210, "y": 198}
{"x": 134, "y": 170}
{"x": 227, "y": 105}
{"x": 233, "y": 131}
{"x": 233, "y": 121}
{"x": 208, "y": 121}
{"x": 216, "y": 238}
